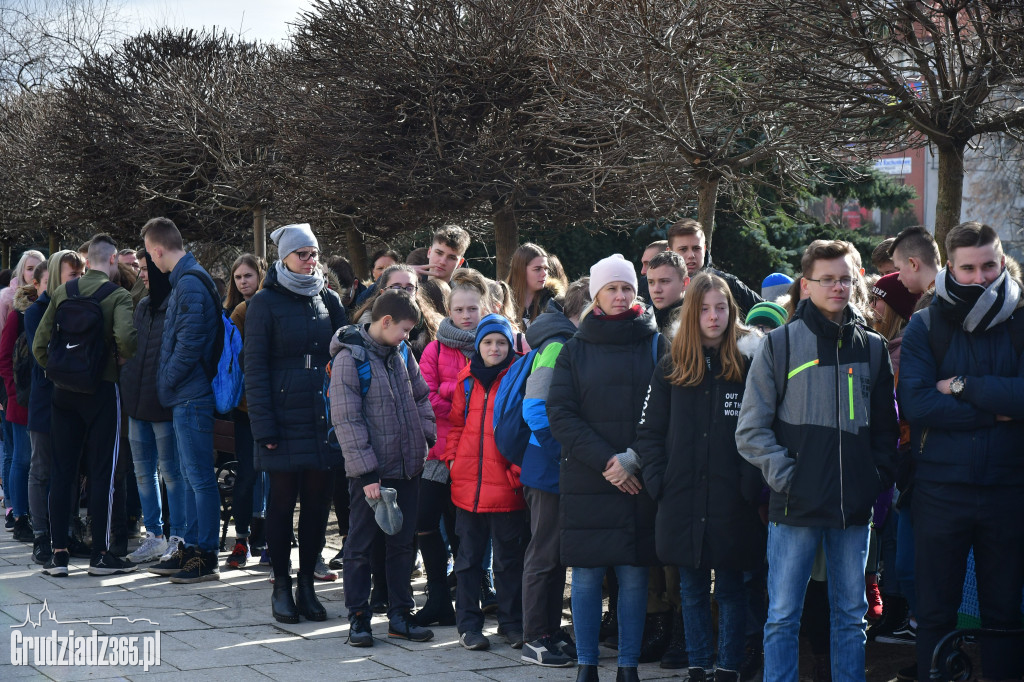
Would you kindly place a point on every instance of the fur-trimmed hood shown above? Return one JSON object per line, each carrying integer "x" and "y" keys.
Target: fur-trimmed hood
{"x": 24, "y": 297}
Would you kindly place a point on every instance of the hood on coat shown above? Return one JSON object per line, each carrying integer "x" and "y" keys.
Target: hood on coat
{"x": 24, "y": 297}
{"x": 357, "y": 339}
{"x": 549, "y": 325}
{"x": 748, "y": 343}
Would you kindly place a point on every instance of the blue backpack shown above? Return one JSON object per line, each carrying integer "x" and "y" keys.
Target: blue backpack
{"x": 511, "y": 432}
{"x": 226, "y": 377}
{"x": 351, "y": 335}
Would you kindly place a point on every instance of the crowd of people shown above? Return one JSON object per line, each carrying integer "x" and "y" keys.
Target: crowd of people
{"x": 818, "y": 457}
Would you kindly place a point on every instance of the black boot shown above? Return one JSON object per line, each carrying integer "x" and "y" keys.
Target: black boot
{"x": 438, "y": 608}
{"x": 657, "y": 630}
{"x": 675, "y": 656}
{"x": 586, "y": 673}
{"x": 726, "y": 675}
{"x": 697, "y": 675}
{"x": 305, "y": 598}
{"x": 281, "y": 601}
{"x": 627, "y": 675}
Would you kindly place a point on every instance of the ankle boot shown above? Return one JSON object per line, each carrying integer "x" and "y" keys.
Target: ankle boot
{"x": 627, "y": 675}
{"x": 281, "y": 601}
{"x": 305, "y": 598}
{"x": 438, "y": 608}
{"x": 657, "y": 631}
{"x": 675, "y": 656}
{"x": 586, "y": 673}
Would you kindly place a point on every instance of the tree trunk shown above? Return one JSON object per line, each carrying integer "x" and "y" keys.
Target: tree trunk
{"x": 357, "y": 251}
{"x": 950, "y": 196}
{"x": 259, "y": 233}
{"x": 506, "y": 239}
{"x": 53, "y": 241}
{"x": 707, "y": 198}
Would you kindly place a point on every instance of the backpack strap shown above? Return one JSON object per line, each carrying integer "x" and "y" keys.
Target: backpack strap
{"x": 218, "y": 342}
{"x": 467, "y": 386}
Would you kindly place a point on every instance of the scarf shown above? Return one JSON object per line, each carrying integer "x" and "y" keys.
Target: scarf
{"x": 303, "y": 285}
{"x": 628, "y": 314}
{"x": 487, "y": 375}
{"x": 159, "y": 284}
{"x": 667, "y": 316}
{"x": 978, "y": 308}
{"x": 459, "y": 339}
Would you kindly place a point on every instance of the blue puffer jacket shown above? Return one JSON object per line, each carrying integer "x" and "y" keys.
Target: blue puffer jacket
{"x": 42, "y": 388}
{"x": 190, "y": 330}
{"x": 959, "y": 440}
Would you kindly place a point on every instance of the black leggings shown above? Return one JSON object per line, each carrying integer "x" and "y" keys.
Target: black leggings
{"x": 316, "y": 488}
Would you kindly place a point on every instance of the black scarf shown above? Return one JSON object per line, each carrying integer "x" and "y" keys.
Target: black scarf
{"x": 665, "y": 316}
{"x": 486, "y": 375}
{"x": 976, "y": 307}
{"x": 159, "y": 285}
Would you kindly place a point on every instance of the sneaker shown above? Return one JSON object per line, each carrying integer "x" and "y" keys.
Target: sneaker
{"x": 513, "y": 637}
{"x": 904, "y": 633}
{"x": 546, "y": 652}
{"x": 474, "y": 641}
{"x": 41, "y": 549}
{"x": 172, "y": 546}
{"x": 9, "y": 520}
{"x": 565, "y": 643}
{"x": 874, "y": 595}
{"x": 239, "y": 556}
{"x": 908, "y": 674}
{"x": 175, "y": 562}
{"x": 23, "y": 529}
{"x": 79, "y": 549}
{"x": 417, "y": 568}
{"x": 321, "y": 572}
{"x": 151, "y": 549}
{"x": 402, "y": 626}
{"x": 265, "y": 557}
{"x": 359, "y": 632}
{"x": 338, "y": 562}
{"x": 200, "y": 568}
{"x": 109, "y": 564}
{"x": 57, "y": 566}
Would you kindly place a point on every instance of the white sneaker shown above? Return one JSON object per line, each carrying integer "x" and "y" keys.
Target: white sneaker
{"x": 172, "y": 547}
{"x": 151, "y": 548}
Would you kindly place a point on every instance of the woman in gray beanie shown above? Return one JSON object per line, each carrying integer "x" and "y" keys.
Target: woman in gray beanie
{"x": 288, "y": 330}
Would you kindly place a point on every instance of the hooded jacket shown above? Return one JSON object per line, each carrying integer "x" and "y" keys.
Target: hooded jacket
{"x": 547, "y": 334}
{"x": 141, "y": 374}
{"x": 190, "y": 330}
{"x": 707, "y": 494}
{"x": 16, "y": 412}
{"x": 286, "y": 350}
{"x": 387, "y": 433}
{"x": 482, "y": 479}
{"x": 594, "y": 404}
{"x": 829, "y": 448}
{"x": 440, "y": 365}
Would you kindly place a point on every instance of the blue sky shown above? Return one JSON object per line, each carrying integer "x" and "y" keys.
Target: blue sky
{"x": 254, "y": 19}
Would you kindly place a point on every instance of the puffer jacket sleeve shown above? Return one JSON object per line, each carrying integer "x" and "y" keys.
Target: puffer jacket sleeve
{"x": 256, "y": 353}
{"x": 347, "y": 415}
{"x": 126, "y": 337}
{"x": 421, "y": 393}
{"x": 7, "y": 339}
{"x": 193, "y": 313}
{"x": 652, "y": 431}
{"x": 568, "y": 426}
{"x": 430, "y": 366}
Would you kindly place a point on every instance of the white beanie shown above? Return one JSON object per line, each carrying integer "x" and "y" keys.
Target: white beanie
{"x": 292, "y": 238}
{"x": 614, "y": 268}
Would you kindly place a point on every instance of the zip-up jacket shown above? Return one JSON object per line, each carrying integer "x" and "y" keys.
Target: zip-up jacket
{"x": 440, "y": 365}
{"x": 190, "y": 330}
{"x": 823, "y": 431}
{"x": 482, "y": 480}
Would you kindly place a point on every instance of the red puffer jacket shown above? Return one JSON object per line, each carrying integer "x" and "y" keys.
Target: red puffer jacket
{"x": 440, "y": 366}
{"x": 482, "y": 480}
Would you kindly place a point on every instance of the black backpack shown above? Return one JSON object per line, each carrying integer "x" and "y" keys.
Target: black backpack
{"x": 22, "y": 366}
{"x": 78, "y": 347}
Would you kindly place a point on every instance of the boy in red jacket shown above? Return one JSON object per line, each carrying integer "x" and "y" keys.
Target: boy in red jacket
{"x": 486, "y": 492}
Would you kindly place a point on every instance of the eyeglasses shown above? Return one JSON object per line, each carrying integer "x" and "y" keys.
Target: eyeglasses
{"x": 829, "y": 282}
{"x": 306, "y": 255}
{"x": 411, "y": 288}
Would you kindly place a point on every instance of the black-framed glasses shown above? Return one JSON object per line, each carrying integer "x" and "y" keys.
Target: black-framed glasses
{"x": 829, "y": 282}
{"x": 411, "y": 288}
{"x": 306, "y": 255}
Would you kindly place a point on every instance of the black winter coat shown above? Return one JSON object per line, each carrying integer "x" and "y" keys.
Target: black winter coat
{"x": 140, "y": 374}
{"x": 286, "y": 350}
{"x": 594, "y": 404}
{"x": 707, "y": 494}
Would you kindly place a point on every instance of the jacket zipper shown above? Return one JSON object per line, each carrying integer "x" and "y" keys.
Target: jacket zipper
{"x": 849, "y": 382}
{"x": 842, "y": 506}
{"x": 480, "y": 455}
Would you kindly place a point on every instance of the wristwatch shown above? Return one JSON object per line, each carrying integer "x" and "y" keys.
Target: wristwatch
{"x": 956, "y": 386}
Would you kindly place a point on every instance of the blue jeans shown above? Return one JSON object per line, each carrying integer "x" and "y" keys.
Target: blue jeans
{"x": 731, "y": 596}
{"x": 8, "y": 453}
{"x": 152, "y": 442}
{"x": 193, "y": 429}
{"x": 21, "y": 457}
{"x": 586, "y": 612}
{"x": 791, "y": 551}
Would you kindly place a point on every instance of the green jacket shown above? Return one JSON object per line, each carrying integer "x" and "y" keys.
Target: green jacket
{"x": 117, "y": 313}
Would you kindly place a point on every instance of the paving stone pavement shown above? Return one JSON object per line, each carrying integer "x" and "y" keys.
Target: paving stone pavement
{"x": 223, "y": 631}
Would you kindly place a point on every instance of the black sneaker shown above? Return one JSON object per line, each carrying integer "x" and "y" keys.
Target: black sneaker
{"x": 359, "y": 633}
{"x": 57, "y": 566}
{"x": 79, "y": 549}
{"x": 513, "y": 637}
{"x": 109, "y": 564}
{"x": 904, "y": 633}
{"x": 338, "y": 562}
{"x": 546, "y": 652}
{"x": 41, "y": 549}
{"x": 23, "y": 529}
{"x": 402, "y": 626}
{"x": 201, "y": 567}
{"x": 9, "y": 520}
{"x": 474, "y": 641}
{"x": 565, "y": 643}
{"x": 175, "y": 563}
{"x": 908, "y": 674}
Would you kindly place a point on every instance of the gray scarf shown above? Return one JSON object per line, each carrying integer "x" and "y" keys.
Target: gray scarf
{"x": 981, "y": 307}
{"x": 303, "y": 285}
{"x": 459, "y": 339}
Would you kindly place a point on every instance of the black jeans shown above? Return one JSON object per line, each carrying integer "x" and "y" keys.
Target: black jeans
{"x": 314, "y": 487}
{"x": 543, "y": 572}
{"x": 506, "y": 530}
{"x": 399, "y": 548}
{"x": 245, "y": 474}
{"x": 950, "y": 518}
{"x": 91, "y": 422}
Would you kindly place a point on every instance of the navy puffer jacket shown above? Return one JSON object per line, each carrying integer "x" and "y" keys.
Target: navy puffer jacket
{"x": 140, "y": 374}
{"x": 190, "y": 330}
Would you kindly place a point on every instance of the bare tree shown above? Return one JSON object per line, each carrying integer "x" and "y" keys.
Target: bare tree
{"x": 939, "y": 72}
